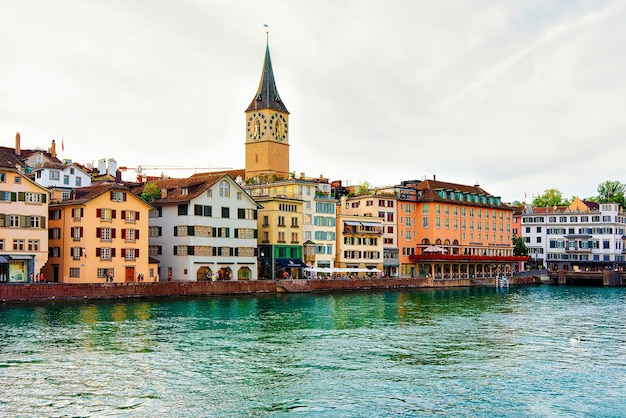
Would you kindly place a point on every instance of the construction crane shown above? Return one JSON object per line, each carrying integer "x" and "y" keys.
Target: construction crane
{"x": 140, "y": 169}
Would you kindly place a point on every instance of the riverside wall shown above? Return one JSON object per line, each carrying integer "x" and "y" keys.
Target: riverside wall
{"x": 88, "y": 291}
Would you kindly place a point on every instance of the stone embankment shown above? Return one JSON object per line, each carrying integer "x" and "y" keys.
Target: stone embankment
{"x": 65, "y": 291}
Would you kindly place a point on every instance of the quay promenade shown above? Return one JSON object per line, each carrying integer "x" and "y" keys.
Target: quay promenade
{"x": 87, "y": 291}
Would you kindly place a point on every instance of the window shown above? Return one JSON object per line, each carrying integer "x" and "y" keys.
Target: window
{"x": 224, "y": 189}
{"x": 18, "y": 245}
{"x": 66, "y": 179}
{"x": 281, "y": 221}
{"x": 78, "y": 181}
{"x": 239, "y": 195}
{"x": 74, "y": 272}
{"x": 104, "y": 234}
{"x": 33, "y": 245}
{"x": 129, "y": 235}
{"x": 53, "y": 175}
{"x": 129, "y": 254}
{"x": 14, "y": 221}
{"x": 225, "y": 212}
{"x": 65, "y": 195}
{"x": 105, "y": 253}
{"x": 118, "y": 196}
{"x": 182, "y": 210}
{"x": 32, "y": 197}
{"x": 106, "y": 215}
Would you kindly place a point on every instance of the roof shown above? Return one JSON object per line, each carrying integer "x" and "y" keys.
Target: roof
{"x": 182, "y": 189}
{"x": 267, "y": 96}
{"x": 8, "y": 158}
{"x": 84, "y": 194}
{"x": 429, "y": 190}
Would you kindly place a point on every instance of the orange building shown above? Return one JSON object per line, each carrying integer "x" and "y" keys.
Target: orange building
{"x": 448, "y": 230}
{"x": 99, "y": 235}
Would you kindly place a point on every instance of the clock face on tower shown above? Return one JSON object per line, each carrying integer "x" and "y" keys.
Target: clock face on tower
{"x": 278, "y": 127}
{"x": 257, "y": 126}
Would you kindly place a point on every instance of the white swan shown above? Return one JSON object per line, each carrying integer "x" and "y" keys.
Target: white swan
{"x": 575, "y": 340}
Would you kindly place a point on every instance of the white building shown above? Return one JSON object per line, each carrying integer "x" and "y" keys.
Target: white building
{"x": 60, "y": 178}
{"x": 203, "y": 226}
{"x": 578, "y": 237}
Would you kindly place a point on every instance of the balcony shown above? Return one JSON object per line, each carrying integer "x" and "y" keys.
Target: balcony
{"x": 463, "y": 258}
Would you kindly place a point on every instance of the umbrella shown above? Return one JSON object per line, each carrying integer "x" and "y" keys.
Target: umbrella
{"x": 434, "y": 249}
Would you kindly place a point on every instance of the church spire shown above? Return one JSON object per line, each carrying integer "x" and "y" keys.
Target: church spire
{"x": 267, "y": 95}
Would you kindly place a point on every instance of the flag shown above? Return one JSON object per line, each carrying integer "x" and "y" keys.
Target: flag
{"x": 62, "y": 145}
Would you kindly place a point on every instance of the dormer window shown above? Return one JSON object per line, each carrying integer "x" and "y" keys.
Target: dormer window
{"x": 184, "y": 191}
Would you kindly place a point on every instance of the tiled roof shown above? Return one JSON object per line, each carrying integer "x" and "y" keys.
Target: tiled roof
{"x": 8, "y": 158}
{"x": 182, "y": 189}
{"x": 267, "y": 95}
{"x": 85, "y": 194}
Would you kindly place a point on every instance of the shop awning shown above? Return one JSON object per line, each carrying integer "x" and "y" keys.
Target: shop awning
{"x": 352, "y": 223}
{"x": 3, "y": 259}
{"x": 290, "y": 262}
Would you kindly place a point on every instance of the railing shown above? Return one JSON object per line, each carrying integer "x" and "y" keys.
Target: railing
{"x": 468, "y": 258}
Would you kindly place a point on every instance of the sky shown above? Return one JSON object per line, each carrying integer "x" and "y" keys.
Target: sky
{"x": 518, "y": 96}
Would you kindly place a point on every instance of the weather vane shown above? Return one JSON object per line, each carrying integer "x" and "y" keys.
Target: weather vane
{"x": 267, "y": 31}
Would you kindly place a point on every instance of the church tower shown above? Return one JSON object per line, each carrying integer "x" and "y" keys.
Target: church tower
{"x": 267, "y": 129}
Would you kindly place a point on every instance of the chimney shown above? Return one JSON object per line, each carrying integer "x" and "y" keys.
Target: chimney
{"x": 53, "y": 149}
{"x": 18, "y": 149}
{"x": 434, "y": 177}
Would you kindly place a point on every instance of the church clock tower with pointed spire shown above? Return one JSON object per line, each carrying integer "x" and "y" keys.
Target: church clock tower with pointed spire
{"x": 267, "y": 129}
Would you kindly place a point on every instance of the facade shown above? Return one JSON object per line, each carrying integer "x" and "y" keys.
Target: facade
{"x": 99, "y": 235}
{"x": 203, "y": 227}
{"x": 60, "y": 178}
{"x": 317, "y": 235}
{"x": 448, "y": 230}
{"x": 267, "y": 130}
{"x": 381, "y": 205}
{"x": 583, "y": 236}
{"x": 23, "y": 223}
{"x": 280, "y": 237}
{"x": 359, "y": 244}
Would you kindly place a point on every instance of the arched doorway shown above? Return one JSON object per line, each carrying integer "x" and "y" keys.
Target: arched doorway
{"x": 204, "y": 274}
{"x": 244, "y": 273}
{"x": 225, "y": 273}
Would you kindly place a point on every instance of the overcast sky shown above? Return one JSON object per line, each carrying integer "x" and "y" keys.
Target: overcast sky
{"x": 517, "y": 96}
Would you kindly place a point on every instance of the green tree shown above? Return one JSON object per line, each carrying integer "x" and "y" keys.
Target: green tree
{"x": 611, "y": 192}
{"x": 550, "y": 197}
{"x": 519, "y": 246}
{"x": 150, "y": 192}
{"x": 363, "y": 189}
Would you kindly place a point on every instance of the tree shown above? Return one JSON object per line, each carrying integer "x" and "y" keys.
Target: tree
{"x": 519, "y": 247}
{"x": 363, "y": 189}
{"x": 150, "y": 192}
{"x": 550, "y": 197}
{"x": 611, "y": 192}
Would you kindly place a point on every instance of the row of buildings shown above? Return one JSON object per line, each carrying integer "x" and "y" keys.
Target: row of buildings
{"x": 73, "y": 223}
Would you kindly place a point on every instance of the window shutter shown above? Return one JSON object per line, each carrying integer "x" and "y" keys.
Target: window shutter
{"x": 137, "y": 215}
{"x": 136, "y": 234}
{"x": 112, "y": 195}
{"x": 97, "y": 252}
{"x": 124, "y": 197}
{"x": 73, "y": 212}
{"x": 98, "y": 232}
{"x": 136, "y": 252}
{"x": 113, "y": 214}
{"x": 123, "y": 214}
{"x": 81, "y": 231}
{"x": 43, "y": 197}
{"x": 123, "y": 233}
{"x": 99, "y": 213}
{"x": 43, "y": 223}
{"x": 112, "y": 233}
{"x": 112, "y": 252}
{"x": 159, "y": 250}
{"x": 236, "y": 232}
{"x": 160, "y": 231}
{"x": 13, "y": 197}
{"x": 190, "y": 250}
{"x": 175, "y": 250}
{"x": 175, "y": 231}
{"x": 82, "y": 212}
{"x": 124, "y": 252}
{"x": 190, "y": 230}
{"x": 21, "y": 196}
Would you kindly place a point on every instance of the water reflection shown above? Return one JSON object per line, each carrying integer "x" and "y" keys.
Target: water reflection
{"x": 423, "y": 352}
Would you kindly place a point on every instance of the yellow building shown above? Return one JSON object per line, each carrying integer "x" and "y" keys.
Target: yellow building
{"x": 279, "y": 242}
{"x": 267, "y": 130}
{"x": 99, "y": 235}
{"x": 23, "y": 215}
